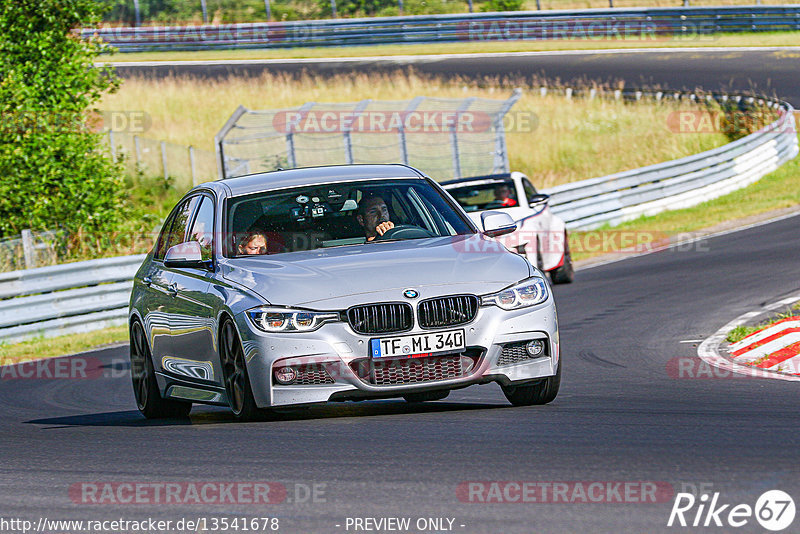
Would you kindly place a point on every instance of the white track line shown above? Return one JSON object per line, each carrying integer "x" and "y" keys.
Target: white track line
{"x": 427, "y": 58}
{"x": 708, "y": 351}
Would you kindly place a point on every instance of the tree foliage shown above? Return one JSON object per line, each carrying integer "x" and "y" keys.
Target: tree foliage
{"x": 54, "y": 172}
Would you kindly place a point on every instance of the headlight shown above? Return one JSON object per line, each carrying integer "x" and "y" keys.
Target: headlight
{"x": 528, "y": 293}
{"x": 283, "y": 320}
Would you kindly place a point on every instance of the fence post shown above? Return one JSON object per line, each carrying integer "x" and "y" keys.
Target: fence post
{"x": 138, "y": 13}
{"x": 401, "y": 130}
{"x": 205, "y": 11}
{"x": 333, "y": 8}
{"x": 27, "y": 249}
{"x": 501, "y": 163}
{"x": 291, "y": 156}
{"x": 137, "y": 149}
{"x": 454, "y": 136}
{"x": 164, "y": 160}
{"x": 348, "y": 125}
{"x": 268, "y": 7}
{"x": 191, "y": 164}
{"x": 471, "y": 8}
{"x": 111, "y": 144}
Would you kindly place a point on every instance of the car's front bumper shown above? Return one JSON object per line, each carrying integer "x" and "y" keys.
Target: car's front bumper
{"x": 334, "y": 346}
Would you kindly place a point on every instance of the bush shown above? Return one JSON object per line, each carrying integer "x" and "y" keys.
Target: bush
{"x": 352, "y": 8}
{"x": 502, "y": 5}
{"x": 55, "y": 172}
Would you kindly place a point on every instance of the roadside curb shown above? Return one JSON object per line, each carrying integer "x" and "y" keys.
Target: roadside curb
{"x": 709, "y": 352}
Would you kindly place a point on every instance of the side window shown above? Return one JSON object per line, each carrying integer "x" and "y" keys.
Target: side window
{"x": 161, "y": 245}
{"x": 529, "y": 189}
{"x": 177, "y": 227}
{"x": 203, "y": 227}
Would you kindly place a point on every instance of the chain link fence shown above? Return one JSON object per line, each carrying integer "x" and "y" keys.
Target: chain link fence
{"x": 444, "y": 137}
{"x": 29, "y": 249}
{"x": 184, "y": 166}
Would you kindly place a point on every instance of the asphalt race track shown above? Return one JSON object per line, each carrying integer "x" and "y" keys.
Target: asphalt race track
{"x": 621, "y": 416}
{"x": 765, "y": 71}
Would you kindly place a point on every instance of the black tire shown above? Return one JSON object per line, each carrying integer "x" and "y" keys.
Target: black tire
{"x": 564, "y": 274}
{"x": 426, "y": 396}
{"x": 541, "y": 392}
{"x": 145, "y": 388}
{"x": 234, "y": 373}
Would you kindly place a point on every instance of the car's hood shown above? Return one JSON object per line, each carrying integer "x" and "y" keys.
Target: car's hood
{"x": 336, "y": 278}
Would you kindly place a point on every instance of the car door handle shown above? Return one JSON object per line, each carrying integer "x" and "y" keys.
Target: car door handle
{"x": 172, "y": 289}
{"x": 147, "y": 280}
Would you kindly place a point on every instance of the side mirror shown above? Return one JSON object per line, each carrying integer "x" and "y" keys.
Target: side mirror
{"x": 538, "y": 199}
{"x": 187, "y": 254}
{"x": 497, "y": 223}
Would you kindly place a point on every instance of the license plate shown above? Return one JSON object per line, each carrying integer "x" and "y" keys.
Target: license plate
{"x": 418, "y": 344}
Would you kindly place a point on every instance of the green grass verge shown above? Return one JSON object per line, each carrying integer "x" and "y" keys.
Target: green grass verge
{"x": 37, "y": 348}
{"x": 742, "y": 331}
{"x": 777, "y": 190}
{"x": 472, "y": 47}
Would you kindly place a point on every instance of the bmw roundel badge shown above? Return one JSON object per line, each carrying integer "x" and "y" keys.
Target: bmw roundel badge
{"x": 410, "y": 293}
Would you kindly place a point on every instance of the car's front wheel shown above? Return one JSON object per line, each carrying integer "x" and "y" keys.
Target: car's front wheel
{"x": 541, "y": 392}
{"x": 234, "y": 372}
{"x": 145, "y": 388}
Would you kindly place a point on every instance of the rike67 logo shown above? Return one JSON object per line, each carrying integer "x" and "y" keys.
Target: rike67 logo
{"x": 774, "y": 510}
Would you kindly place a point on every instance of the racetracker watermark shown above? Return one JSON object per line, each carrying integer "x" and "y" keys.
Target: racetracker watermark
{"x": 566, "y": 492}
{"x": 254, "y": 493}
{"x": 66, "y": 368}
{"x": 693, "y": 368}
{"x": 631, "y": 30}
{"x": 620, "y": 242}
{"x": 728, "y": 122}
{"x": 377, "y": 121}
{"x": 26, "y": 121}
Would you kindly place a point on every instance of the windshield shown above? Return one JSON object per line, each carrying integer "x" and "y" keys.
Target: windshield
{"x": 488, "y": 194}
{"x": 340, "y": 214}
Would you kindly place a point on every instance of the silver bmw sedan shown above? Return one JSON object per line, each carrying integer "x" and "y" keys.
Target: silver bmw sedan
{"x": 335, "y": 283}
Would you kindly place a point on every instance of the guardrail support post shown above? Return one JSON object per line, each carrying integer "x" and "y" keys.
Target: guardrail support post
{"x": 472, "y": 9}
{"x": 27, "y": 249}
{"x": 205, "y": 11}
{"x": 333, "y": 8}
{"x": 268, "y": 7}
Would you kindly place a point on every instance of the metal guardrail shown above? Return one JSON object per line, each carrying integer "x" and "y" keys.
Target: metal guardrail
{"x": 679, "y": 183}
{"x": 64, "y": 299}
{"x": 83, "y": 296}
{"x": 624, "y": 23}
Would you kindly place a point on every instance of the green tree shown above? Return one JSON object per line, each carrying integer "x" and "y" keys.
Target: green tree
{"x": 54, "y": 172}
